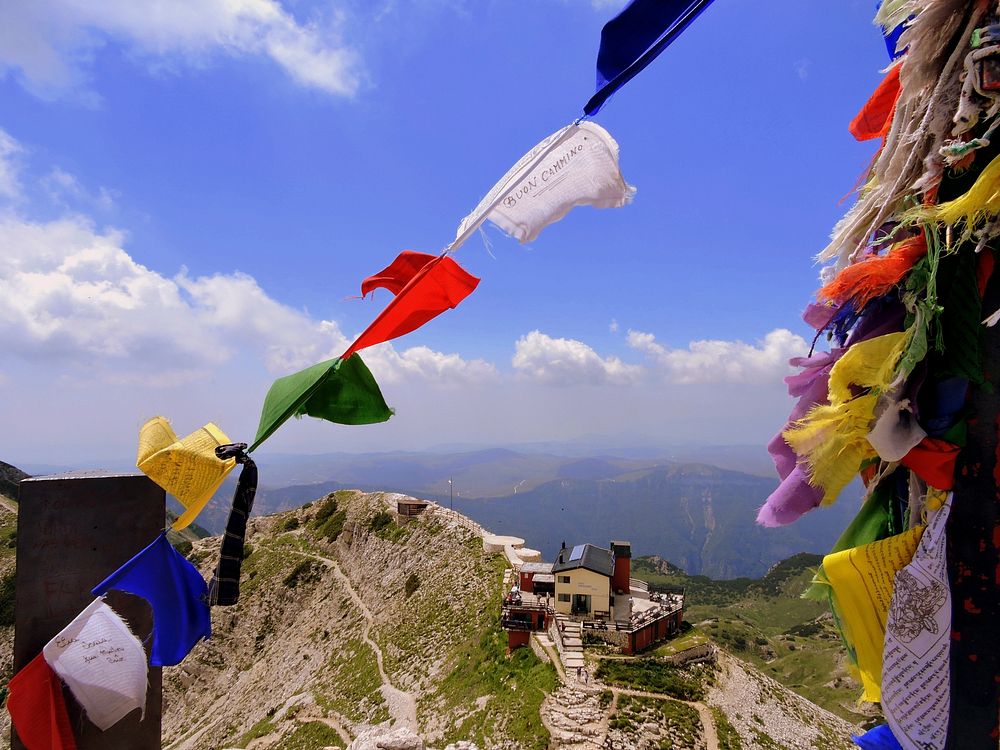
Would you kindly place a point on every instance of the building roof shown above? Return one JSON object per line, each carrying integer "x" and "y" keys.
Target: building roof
{"x": 543, "y": 578}
{"x": 585, "y": 556}
{"x": 536, "y": 567}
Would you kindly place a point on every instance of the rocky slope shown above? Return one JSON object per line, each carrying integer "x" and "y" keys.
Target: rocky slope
{"x": 355, "y": 631}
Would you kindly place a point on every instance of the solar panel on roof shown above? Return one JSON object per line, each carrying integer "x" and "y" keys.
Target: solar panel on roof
{"x": 577, "y": 552}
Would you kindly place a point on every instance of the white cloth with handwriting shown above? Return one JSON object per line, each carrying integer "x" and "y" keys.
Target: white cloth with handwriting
{"x": 575, "y": 166}
{"x": 102, "y": 663}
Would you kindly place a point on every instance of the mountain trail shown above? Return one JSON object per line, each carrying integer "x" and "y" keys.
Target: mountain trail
{"x": 402, "y": 706}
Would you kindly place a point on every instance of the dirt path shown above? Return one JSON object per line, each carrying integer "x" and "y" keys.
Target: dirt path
{"x": 401, "y": 704}
{"x": 332, "y": 723}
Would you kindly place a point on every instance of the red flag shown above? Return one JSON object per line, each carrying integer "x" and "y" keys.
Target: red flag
{"x": 425, "y": 286}
{"x": 933, "y": 461}
{"x": 875, "y": 118}
{"x": 37, "y": 708}
{"x": 398, "y": 274}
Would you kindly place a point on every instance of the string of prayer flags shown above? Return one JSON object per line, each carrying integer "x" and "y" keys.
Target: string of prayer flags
{"x": 338, "y": 390}
{"x": 177, "y": 594}
{"x": 102, "y": 663}
{"x": 916, "y": 665}
{"x": 634, "y": 38}
{"x": 187, "y": 468}
{"x": 37, "y": 708}
{"x": 225, "y": 587}
{"x": 862, "y": 582}
{"x": 575, "y": 166}
{"x": 428, "y": 289}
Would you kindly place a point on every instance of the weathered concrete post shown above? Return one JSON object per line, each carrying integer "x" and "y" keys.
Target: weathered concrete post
{"x": 73, "y": 530}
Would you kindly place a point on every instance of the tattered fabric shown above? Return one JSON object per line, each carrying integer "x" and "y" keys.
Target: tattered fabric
{"x": 338, "y": 390}
{"x": 440, "y": 284}
{"x": 102, "y": 663}
{"x": 875, "y": 117}
{"x": 177, "y": 594}
{"x": 37, "y": 708}
{"x": 832, "y": 439}
{"x": 187, "y": 468}
{"x": 634, "y": 38}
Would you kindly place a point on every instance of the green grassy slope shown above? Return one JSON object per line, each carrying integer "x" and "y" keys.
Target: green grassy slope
{"x": 766, "y": 622}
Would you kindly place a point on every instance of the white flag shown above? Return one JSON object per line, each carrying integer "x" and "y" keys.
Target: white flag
{"x": 916, "y": 667}
{"x": 103, "y": 664}
{"x": 575, "y": 166}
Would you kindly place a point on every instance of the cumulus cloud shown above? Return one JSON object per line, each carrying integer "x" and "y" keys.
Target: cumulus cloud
{"x": 390, "y": 366}
{"x": 70, "y": 293}
{"x": 10, "y": 150}
{"x": 568, "y": 362}
{"x": 715, "y": 361}
{"x": 52, "y": 43}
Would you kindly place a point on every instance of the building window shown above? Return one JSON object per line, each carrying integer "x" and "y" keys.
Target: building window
{"x": 563, "y": 579}
{"x": 564, "y": 597}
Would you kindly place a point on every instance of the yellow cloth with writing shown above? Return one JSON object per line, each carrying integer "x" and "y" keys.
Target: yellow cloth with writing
{"x": 862, "y": 581}
{"x": 187, "y": 468}
{"x": 832, "y": 439}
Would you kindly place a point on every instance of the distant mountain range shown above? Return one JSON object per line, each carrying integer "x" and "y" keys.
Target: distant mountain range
{"x": 699, "y": 516}
{"x": 695, "y": 507}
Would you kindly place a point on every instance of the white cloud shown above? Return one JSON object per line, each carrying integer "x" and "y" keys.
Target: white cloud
{"x": 52, "y": 43}
{"x": 70, "y": 293}
{"x": 569, "y": 362}
{"x": 391, "y": 366}
{"x": 613, "y": 326}
{"x": 10, "y": 150}
{"x": 714, "y": 361}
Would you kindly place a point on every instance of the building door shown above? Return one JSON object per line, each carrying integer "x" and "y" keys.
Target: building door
{"x": 581, "y": 604}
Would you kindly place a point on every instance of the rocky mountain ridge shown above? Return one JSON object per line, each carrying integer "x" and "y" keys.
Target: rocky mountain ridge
{"x": 353, "y": 630}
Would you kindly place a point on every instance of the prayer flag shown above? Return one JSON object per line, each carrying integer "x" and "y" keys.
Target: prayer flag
{"x": 916, "y": 664}
{"x": 225, "y": 587}
{"x": 862, "y": 582}
{"x": 177, "y": 594}
{"x": 102, "y": 663}
{"x": 877, "y": 738}
{"x": 576, "y": 166}
{"x": 338, "y": 390}
{"x": 634, "y": 38}
{"x": 37, "y": 708}
{"x": 188, "y": 468}
{"x": 875, "y": 117}
{"x": 397, "y": 274}
{"x": 426, "y": 291}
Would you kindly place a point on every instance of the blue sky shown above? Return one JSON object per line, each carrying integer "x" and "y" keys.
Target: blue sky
{"x": 191, "y": 191}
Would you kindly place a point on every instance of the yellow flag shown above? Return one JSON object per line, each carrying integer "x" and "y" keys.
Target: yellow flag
{"x": 186, "y": 468}
{"x": 862, "y": 580}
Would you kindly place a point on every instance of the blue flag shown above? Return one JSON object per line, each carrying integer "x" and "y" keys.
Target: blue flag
{"x": 632, "y": 40}
{"x": 177, "y": 594}
{"x": 879, "y": 738}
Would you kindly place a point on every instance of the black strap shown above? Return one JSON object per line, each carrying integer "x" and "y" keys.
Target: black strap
{"x": 224, "y": 590}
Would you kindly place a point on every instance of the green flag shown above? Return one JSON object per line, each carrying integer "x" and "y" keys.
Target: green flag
{"x": 338, "y": 390}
